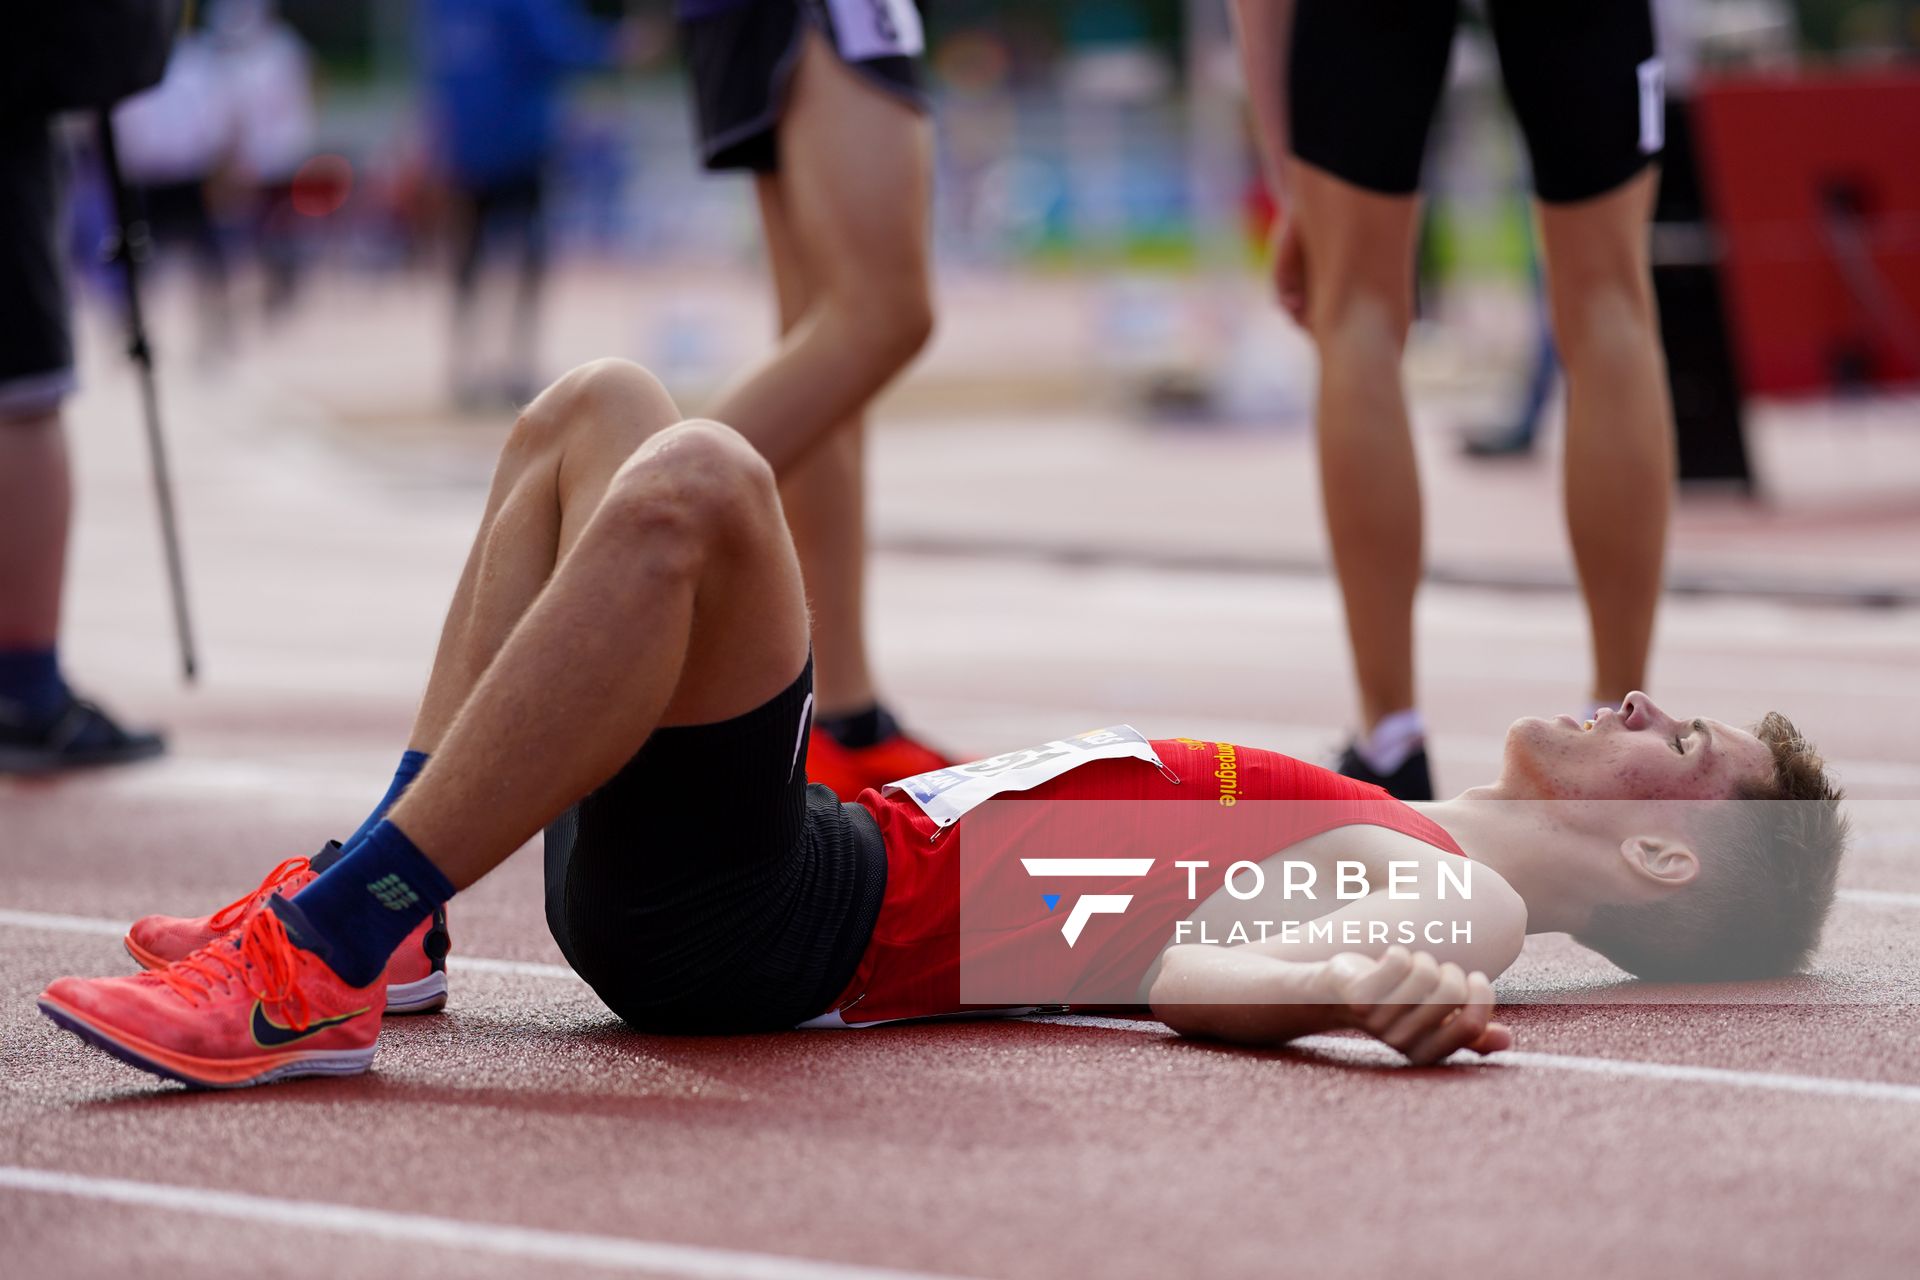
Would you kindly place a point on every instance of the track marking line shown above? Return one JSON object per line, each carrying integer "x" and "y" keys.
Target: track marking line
{"x": 613, "y": 1252}
{"x": 1372, "y": 1052}
{"x": 1336, "y": 1046}
{"x": 100, "y": 927}
{"x": 51, "y": 922}
{"x": 1878, "y": 898}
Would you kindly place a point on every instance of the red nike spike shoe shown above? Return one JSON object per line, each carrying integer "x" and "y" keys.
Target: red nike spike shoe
{"x": 851, "y": 770}
{"x": 246, "y": 1009}
{"x": 416, "y": 975}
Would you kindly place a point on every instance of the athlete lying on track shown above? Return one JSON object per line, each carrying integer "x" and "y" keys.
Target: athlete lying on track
{"x": 626, "y": 664}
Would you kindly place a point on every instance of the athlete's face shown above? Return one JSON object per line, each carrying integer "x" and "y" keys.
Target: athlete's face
{"x": 1637, "y": 753}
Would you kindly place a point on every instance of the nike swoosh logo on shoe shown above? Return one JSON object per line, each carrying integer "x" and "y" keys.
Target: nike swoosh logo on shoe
{"x": 269, "y": 1034}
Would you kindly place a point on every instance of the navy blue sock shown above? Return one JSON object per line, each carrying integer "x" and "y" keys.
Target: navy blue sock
{"x": 363, "y": 906}
{"x": 30, "y": 679}
{"x": 411, "y": 763}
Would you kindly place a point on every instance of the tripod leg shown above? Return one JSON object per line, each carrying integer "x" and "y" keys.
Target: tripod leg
{"x": 130, "y": 249}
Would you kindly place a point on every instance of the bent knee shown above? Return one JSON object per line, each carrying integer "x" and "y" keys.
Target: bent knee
{"x": 910, "y": 317}
{"x": 598, "y": 394}
{"x": 696, "y": 481}
{"x": 713, "y": 463}
{"x": 893, "y": 319}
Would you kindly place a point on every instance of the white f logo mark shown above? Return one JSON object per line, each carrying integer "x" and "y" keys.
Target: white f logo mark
{"x": 1092, "y": 904}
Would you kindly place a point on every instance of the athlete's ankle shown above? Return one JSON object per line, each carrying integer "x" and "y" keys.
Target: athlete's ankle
{"x": 1392, "y": 740}
{"x": 363, "y": 907}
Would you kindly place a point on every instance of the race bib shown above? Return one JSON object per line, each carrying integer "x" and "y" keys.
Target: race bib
{"x": 866, "y": 29}
{"x": 945, "y": 795}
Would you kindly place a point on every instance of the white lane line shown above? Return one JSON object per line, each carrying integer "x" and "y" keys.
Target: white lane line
{"x": 49, "y": 922}
{"x": 516, "y": 968}
{"x": 98, "y": 927}
{"x": 1372, "y": 1052}
{"x": 1337, "y": 1046}
{"x": 1878, "y": 898}
{"x": 981, "y": 720}
{"x": 614, "y": 1252}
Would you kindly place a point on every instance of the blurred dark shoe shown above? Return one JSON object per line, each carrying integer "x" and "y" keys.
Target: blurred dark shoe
{"x": 77, "y": 735}
{"x": 1497, "y": 442}
{"x": 1411, "y": 781}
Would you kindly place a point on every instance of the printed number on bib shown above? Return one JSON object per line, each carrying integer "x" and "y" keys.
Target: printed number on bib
{"x": 867, "y": 29}
{"x": 946, "y": 795}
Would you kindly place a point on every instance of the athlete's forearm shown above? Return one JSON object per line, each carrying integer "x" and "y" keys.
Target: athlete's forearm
{"x": 1232, "y": 993}
{"x": 1264, "y": 32}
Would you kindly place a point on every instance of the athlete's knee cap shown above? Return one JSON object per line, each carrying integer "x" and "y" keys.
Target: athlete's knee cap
{"x": 1358, "y": 324}
{"x": 1603, "y": 319}
{"x": 717, "y": 467}
{"x": 598, "y": 391}
{"x": 691, "y": 483}
{"x": 895, "y": 318}
{"x": 613, "y": 385}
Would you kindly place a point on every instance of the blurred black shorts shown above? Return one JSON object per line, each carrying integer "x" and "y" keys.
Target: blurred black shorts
{"x": 707, "y": 888}
{"x": 36, "y": 340}
{"x": 1365, "y": 76}
{"x": 741, "y": 63}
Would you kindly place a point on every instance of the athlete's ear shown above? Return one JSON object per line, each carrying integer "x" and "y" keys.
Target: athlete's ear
{"x": 1669, "y": 863}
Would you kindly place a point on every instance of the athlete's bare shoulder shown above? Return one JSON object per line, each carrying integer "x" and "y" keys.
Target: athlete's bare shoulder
{"x": 1455, "y": 907}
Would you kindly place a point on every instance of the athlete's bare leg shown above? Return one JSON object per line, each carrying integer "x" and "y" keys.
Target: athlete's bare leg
{"x": 563, "y": 451}
{"x": 36, "y": 497}
{"x": 1620, "y": 450}
{"x": 679, "y": 601}
{"x": 1358, "y": 247}
{"x": 846, "y": 219}
{"x": 825, "y": 499}
{"x": 824, "y": 493}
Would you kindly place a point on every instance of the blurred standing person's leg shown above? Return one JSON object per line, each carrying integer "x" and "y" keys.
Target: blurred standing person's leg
{"x": 1358, "y": 246}
{"x": 1344, "y": 92}
{"x": 1586, "y": 86}
{"x": 502, "y": 208}
{"x": 43, "y": 725}
{"x": 524, "y": 201}
{"x": 822, "y": 102}
{"x": 466, "y": 234}
{"x": 495, "y": 70}
{"x": 1619, "y": 447}
{"x": 267, "y": 73}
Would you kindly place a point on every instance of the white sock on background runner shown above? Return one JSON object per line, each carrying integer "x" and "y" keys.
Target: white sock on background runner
{"x": 1396, "y": 737}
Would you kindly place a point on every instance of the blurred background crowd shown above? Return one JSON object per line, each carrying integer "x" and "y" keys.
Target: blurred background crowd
{"x": 1102, "y": 142}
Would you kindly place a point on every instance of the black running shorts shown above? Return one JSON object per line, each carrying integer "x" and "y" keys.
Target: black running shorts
{"x": 1365, "y": 75}
{"x": 36, "y": 342}
{"x": 708, "y": 888}
{"x": 741, "y": 62}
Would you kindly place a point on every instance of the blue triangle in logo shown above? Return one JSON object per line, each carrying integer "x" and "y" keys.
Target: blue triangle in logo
{"x": 1051, "y": 899}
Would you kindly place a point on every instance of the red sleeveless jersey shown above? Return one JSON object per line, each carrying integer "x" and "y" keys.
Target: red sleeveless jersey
{"x": 912, "y": 964}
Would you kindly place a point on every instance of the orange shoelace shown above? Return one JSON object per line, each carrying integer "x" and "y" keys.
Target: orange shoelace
{"x": 262, "y": 961}
{"x": 229, "y": 916}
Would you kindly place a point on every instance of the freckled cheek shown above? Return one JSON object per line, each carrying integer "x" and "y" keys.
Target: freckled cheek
{"x": 1654, "y": 786}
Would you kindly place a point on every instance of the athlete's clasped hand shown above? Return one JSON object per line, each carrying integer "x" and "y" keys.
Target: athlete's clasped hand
{"x": 1424, "y": 1008}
